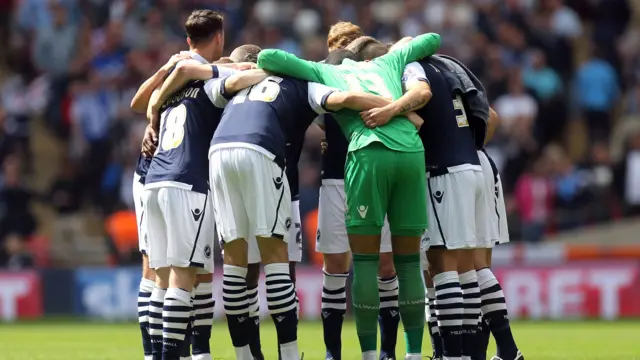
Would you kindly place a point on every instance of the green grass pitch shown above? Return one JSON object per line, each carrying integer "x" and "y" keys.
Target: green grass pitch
{"x": 55, "y": 340}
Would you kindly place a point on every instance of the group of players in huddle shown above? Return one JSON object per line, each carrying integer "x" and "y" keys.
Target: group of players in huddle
{"x": 405, "y": 131}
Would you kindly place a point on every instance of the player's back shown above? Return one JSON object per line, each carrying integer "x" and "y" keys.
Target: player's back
{"x": 188, "y": 121}
{"x": 264, "y": 116}
{"x": 376, "y": 78}
{"x": 447, "y": 137}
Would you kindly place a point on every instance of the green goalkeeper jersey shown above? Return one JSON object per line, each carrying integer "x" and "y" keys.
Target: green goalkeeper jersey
{"x": 382, "y": 76}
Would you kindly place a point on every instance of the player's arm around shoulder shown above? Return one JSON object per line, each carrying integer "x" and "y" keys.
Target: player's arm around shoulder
{"x": 282, "y": 62}
{"x": 184, "y": 72}
{"x": 325, "y": 99}
{"x": 417, "y": 95}
{"x": 221, "y": 90}
{"x": 418, "y": 48}
{"x": 141, "y": 99}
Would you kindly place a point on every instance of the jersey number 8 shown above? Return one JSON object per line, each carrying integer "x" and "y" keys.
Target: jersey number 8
{"x": 173, "y": 127}
{"x": 461, "y": 114}
{"x": 266, "y": 91}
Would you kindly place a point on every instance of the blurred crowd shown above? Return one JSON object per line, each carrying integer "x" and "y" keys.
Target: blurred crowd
{"x": 563, "y": 75}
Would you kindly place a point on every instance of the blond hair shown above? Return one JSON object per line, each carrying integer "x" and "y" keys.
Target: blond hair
{"x": 342, "y": 34}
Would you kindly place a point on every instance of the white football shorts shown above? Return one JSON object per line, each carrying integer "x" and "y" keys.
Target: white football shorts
{"x": 456, "y": 210}
{"x": 496, "y": 209}
{"x": 138, "y": 201}
{"x": 295, "y": 247}
{"x": 331, "y": 237}
{"x": 181, "y": 228}
{"x": 250, "y": 194}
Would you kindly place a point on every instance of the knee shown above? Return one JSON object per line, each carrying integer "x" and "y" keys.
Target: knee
{"x": 202, "y": 279}
{"x": 253, "y": 275}
{"x": 466, "y": 260}
{"x": 442, "y": 260}
{"x": 386, "y": 268}
{"x": 336, "y": 263}
{"x": 149, "y": 274}
{"x": 480, "y": 259}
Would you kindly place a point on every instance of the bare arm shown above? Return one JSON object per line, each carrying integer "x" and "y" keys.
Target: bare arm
{"x": 417, "y": 96}
{"x": 354, "y": 100}
{"x": 414, "y": 99}
{"x": 492, "y": 126}
{"x": 242, "y": 80}
{"x": 140, "y": 100}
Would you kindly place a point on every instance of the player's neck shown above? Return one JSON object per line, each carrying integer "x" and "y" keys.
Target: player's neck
{"x": 201, "y": 52}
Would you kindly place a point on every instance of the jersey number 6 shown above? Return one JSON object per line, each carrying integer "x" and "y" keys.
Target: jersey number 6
{"x": 172, "y": 126}
{"x": 267, "y": 90}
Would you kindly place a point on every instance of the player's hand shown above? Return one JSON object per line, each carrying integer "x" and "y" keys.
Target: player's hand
{"x": 183, "y": 55}
{"x": 377, "y": 116}
{"x": 323, "y": 146}
{"x": 149, "y": 141}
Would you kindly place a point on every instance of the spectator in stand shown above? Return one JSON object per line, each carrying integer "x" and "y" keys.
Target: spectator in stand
{"x": 54, "y": 46}
{"x": 538, "y": 77}
{"x": 66, "y": 200}
{"x": 5, "y": 21}
{"x": 93, "y": 110}
{"x": 15, "y": 201}
{"x": 546, "y": 86}
{"x": 597, "y": 90}
{"x": 534, "y": 200}
{"x": 110, "y": 61}
{"x": 517, "y": 110}
{"x": 563, "y": 20}
{"x": 600, "y": 177}
{"x": 16, "y": 256}
{"x": 628, "y": 175}
{"x": 7, "y": 143}
{"x": 570, "y": 185}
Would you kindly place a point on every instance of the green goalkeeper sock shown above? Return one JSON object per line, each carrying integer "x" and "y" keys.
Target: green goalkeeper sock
{"x": 365, "y": 299}
{"x": 411, "y": 300}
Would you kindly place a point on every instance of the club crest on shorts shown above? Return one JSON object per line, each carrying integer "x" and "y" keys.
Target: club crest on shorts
{"x": 287, "y": 223}
{"x": 424, "y": 241}
{"x": 207, "y": 251}
{"x": 318, "y": 235}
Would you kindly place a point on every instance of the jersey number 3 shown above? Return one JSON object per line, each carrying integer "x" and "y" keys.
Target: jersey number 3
{"x": 267, "y": 90}
{"x": 173, "y": 127}
{"x": 461, "y": 114}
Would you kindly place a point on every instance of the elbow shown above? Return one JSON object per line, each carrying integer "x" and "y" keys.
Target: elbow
{"x": 136, "y": 106}
{"x": 182, "y": 69}
{"x": 425, "y": 95}
{"x": 231, "y": 84}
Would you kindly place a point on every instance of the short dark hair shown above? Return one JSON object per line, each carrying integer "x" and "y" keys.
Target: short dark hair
{"x": 245, "y": 53}
{"x": 367, "y": 48}
{"x": 336, "y": 57}
{"x": 202, "y": 25}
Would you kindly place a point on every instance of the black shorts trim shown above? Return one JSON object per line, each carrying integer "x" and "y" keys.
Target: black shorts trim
{"x": 275, "y": 222}
{"x": 433, "y": 205}
{"x": 195, "y": 242}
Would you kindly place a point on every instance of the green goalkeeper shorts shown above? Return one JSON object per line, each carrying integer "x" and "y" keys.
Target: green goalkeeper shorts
{"x": 381, "y": 181}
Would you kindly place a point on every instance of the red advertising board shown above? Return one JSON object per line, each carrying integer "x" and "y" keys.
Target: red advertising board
{"x": 20, "y": 295}
{"x": 603, "y": 290}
